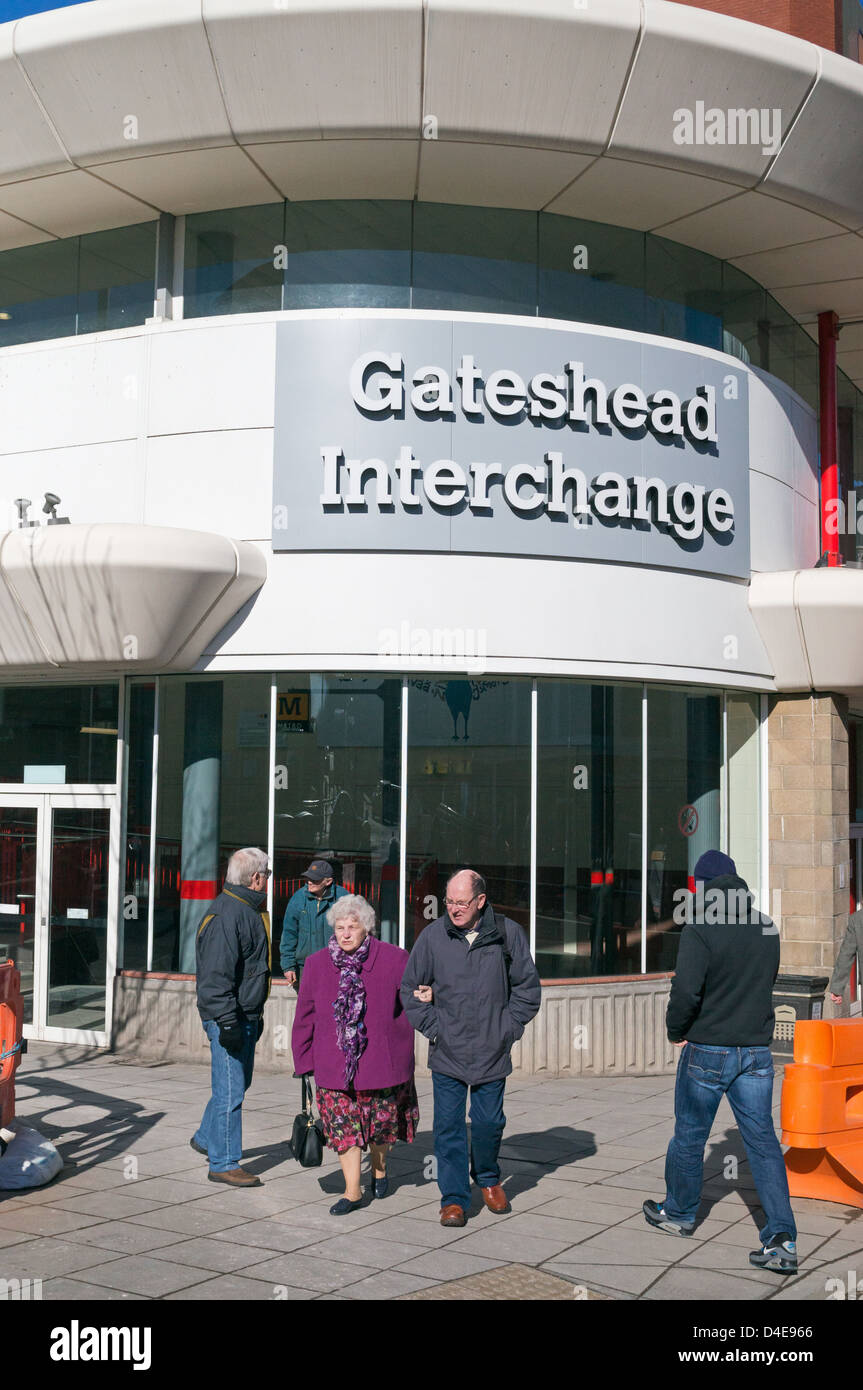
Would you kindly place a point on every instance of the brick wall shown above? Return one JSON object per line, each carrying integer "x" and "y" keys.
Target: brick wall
{"x": 814, "y": 20}
{"x": 807, "y": 739}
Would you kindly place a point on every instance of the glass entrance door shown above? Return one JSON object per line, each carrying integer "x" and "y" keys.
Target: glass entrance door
{"x": 58, "y": 894}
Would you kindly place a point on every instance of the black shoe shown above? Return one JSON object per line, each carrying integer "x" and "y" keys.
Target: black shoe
{"x": 779, "y": 1254}
{"x": 343, "y": 1206}
{"x": 655, "y": 1215}
{"x": 193, "y": 1144}
{"x": 380, "y": 1186}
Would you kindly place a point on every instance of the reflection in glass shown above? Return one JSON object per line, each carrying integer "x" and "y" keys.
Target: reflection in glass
{"x": 58, "y": 733}
{"x": 683, "y": 805}
{"x": 684, "y": 293}
{"x": 588, "y": 906}
{"x": 116, "y": 276}
{"x": 469, "y": 801}
{"x": 474, "y": 259}
{"x": 608, "y": 289}
{"x": 233, "y": 265}
{"x": 348, "y": 253}
{"x": 742, "y": 722}
{"x": 139, "y": 797}
{"x": 18, "y": 825}
{"x": 78, "y": 919}
{"x": 38, "y": 287}
{"x": 338, "y": 748}
{"x": 212, "y": 800}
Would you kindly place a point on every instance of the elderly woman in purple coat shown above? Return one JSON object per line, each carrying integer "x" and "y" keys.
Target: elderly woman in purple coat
{"x": 349, "y": 1029}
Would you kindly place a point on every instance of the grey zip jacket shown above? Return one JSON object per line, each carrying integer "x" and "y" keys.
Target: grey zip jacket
{"x": 484, "y": 995}
{"x": 852, "y": 945}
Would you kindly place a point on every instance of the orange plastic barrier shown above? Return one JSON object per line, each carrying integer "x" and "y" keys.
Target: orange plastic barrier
{"x": 11, "y": 1024}
{"x": 822, "y": 1111}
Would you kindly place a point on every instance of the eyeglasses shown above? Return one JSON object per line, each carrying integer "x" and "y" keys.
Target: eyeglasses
{"x": 451, "y": 902}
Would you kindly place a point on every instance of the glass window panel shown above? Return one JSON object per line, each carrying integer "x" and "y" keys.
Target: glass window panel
{"x": 348, "y": 253}
{"x": 481, "y": 259}
{"x": 744, "y": 785}
{"x": 38, "y": 292}
{"x": 683, "y": 805}
{"x": 213, "y": 799}
{"x": 231, "y": 261}
{"x": 742, "y": 318}
{"x": 684, "y": 293}
{"x": 139, "y": 796}
{"x": 78, "y": 918}
{"x": 778, "y": 331}
{"x": 588, "y": 907}
{"x": 469, "y": 793}
{"x": 18, "y": 827}
{"x": 338, "y": 759}
{"x": 117, "y": 278}
{"x": 806, "y": 367}
{"x": 609, "y": 289}
{"x": 58, "y": 733}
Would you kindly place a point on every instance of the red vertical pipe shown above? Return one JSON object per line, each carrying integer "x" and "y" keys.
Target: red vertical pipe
{"x": 828, "y": 334}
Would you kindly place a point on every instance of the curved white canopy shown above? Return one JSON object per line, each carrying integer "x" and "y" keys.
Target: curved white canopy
{"x": 113, "y": 112}
{"x": 113, "y": 599}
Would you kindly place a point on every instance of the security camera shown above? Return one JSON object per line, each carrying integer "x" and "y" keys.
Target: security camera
{"x": 22, "y": 504}
{"x": 52, "y": 502}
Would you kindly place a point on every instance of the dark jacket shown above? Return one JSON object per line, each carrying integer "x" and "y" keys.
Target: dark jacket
{"x": 305, "y": 927}
{"x": 484, "y": 995}
{"x": 388, "y": 1059}
{"x": 722, "y": 991}
{"x": 233, "y": 955}
{"x": 852, "y": 945}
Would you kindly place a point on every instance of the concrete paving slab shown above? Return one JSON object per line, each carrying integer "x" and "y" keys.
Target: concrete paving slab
{"x": 302, "y": 1271}
{"x": 237, "y": 1287}
{"x": 191, "y": 1218}
{"x": 47, "y": 1258}
{"x": 125, "y": 1238}
{"x": 146, "y": 1275}
{"x": 446, "y": 1264}
{"x": 79, "y": 1291}
{"x": 386, "y": 1284}
{"x": 364, "y": 1250}
{"x": 688, "y": 1284}
{"x": 614, "y": 1278}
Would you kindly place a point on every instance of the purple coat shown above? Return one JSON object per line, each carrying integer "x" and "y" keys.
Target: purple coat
{"x": 389, "y": 1057}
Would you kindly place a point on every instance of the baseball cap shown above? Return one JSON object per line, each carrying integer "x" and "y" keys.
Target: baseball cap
{"x": 318, "y": 869}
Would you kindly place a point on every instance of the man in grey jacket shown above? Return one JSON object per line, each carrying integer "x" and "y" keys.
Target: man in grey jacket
{"x": 852, "y": 946}
{"x": 233, "y": 984}
{"x": 471, "y": 988}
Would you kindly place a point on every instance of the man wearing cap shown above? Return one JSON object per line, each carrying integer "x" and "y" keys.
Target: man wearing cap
{"x": 720, "y": 1014}
{"x": 305, "y": 927}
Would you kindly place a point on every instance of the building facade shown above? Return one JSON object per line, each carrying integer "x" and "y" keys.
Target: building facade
{"x": 425, "y": 399}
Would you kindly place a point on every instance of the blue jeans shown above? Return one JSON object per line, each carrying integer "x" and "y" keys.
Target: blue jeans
{"x": 745, "y": 1075}
{"x": 221, "y": 1130}
{"x": 487, "y": 1120}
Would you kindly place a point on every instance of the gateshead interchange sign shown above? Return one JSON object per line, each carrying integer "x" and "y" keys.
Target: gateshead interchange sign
{"x": 410, "y": 434}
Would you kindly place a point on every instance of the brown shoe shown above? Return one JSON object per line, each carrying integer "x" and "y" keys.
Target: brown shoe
{"x": 452, "y": 1215}
{"x": 495, "y": 1199}
{"x": 236, "y": 1177}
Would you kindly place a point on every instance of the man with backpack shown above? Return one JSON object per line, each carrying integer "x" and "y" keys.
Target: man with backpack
{"x": 471, "y": 988}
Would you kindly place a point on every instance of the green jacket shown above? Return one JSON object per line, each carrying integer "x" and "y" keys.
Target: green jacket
{"x": 305, "y": 927}
{"x": 852, "y": 945}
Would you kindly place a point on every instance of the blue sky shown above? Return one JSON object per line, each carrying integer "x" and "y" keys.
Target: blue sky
{"x": 14, "y": 9}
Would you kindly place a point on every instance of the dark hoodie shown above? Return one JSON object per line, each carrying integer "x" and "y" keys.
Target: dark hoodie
{"x": 722, "y": 991}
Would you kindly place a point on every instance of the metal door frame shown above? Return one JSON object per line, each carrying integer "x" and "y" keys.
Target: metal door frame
{"x": 46, "y": 802}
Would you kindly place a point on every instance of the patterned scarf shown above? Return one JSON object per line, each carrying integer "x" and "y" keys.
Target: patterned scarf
{"x": 350, "y": 1004}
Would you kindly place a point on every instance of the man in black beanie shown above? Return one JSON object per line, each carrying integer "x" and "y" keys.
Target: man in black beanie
{"x": 720, "y": 1014}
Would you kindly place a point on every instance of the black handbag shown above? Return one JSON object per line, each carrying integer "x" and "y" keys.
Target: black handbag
{"x": 307, "y": 1135}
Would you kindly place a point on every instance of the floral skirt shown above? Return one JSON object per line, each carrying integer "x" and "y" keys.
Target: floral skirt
{"x": 359, "y": 1118}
